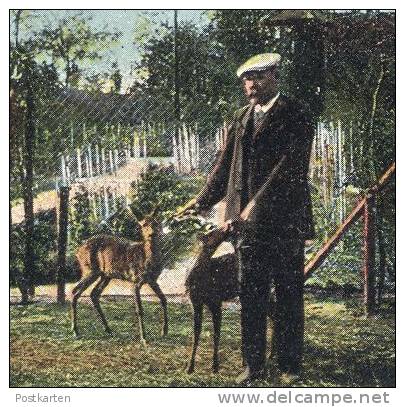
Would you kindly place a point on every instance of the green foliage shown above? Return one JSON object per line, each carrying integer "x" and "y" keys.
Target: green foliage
{"x": 42, "y": 78}
{"x": 82, "y": 223}
{"x": 360, "y": 86}
{"x": 44, "y": 250}
{"x": 167, "y": 190}
{"x": 73, "y": 41}
{"x": 201, "y": 76}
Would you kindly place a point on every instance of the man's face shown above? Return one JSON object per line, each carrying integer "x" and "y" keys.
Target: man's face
{"x": 259, "y": 86}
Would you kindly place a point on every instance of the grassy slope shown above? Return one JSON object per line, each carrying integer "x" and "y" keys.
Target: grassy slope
{"x": 342, "y": 348}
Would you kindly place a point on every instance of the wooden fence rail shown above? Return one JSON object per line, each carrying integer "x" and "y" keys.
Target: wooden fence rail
{"x": 366, "y": 208}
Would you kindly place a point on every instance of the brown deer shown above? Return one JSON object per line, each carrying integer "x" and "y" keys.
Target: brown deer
{"x": 209, "y": 282}
{"x": 106, "y": 257}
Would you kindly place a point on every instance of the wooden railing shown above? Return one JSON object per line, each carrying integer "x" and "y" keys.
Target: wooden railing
{"x": 366, "y": 207}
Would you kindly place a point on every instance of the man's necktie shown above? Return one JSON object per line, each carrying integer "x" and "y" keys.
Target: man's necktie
{"x": 258, "y": 116}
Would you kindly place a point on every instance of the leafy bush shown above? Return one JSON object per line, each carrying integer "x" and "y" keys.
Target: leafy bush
{"x": 166, "y": 189}
{"x": 44, "y": 249}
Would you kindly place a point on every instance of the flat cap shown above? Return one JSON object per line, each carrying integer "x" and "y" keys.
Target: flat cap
{"x": 260, "y": 62}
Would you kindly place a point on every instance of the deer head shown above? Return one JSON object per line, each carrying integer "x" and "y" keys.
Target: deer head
{"x": 151, "y": 229}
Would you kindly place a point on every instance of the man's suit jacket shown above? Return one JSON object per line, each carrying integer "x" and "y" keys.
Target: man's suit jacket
{"x": 284, "y": 210}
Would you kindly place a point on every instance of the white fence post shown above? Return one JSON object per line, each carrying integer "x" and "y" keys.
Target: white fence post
{"x": 97, "y": 152}
{"x": 90, "y": 161}
{"x": 79, "y": 163}
{"x": 110, "y": 156}
{"x": 103, "y": 161}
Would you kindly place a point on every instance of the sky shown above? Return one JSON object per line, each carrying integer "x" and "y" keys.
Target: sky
{"x": 126, "y": 52}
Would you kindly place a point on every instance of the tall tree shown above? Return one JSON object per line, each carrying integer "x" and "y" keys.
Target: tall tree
{"x": 197, "y": 85}
{"x": 73, "y": 41}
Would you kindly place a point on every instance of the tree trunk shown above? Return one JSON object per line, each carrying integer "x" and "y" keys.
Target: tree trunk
{"x": 29, "y": 262}
{"x": 372, "y": 169}
{"x": 17, "y": 27}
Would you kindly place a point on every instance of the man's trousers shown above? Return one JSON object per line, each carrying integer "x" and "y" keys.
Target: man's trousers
{"x": 280, "y": 262}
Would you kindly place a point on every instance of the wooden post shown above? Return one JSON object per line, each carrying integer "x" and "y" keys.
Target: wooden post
{"x": 369, "y": 254}
{"x": 62, "y": 222}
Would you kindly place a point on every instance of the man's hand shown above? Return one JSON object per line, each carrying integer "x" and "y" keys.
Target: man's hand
{"x": 233, "y": 226}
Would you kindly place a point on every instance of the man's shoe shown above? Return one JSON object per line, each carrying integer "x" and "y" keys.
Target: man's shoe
{"x": 248, "y": 376}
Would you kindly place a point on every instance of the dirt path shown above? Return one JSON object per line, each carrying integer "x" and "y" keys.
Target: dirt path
{"x": 171, "y": 282}
{"x": 119, "y": 182}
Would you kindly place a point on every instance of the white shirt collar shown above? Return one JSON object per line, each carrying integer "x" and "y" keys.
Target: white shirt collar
{"x": 265, "y": 108}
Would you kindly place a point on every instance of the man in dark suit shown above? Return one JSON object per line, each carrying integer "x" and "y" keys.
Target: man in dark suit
{"x": 272, "y": 135}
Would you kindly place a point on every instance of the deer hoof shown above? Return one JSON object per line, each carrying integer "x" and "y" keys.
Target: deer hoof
{"x": 190, "y": 369}
{"x": 215, "y": 369}
{"x": 144, "y": 343}
{"x": 165, "y": 331}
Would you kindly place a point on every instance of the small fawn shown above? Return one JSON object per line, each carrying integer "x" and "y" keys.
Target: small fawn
{"x": 209, "y": 282}
{"x": 106, "y": 257}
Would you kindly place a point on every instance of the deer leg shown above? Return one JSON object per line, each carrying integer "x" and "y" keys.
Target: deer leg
{"x": 198, "y": 314}
{"x": 216, "y": 312}
{"x": 95, "y": 298}
{"x": 155, "y": 287}
{"x": 77, "y": 292}
{"x": 139, "y": 311}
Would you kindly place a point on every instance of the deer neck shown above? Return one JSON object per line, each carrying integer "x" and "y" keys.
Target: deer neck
{"x": 148, "y": 247}
{"x": 152, "y": 249}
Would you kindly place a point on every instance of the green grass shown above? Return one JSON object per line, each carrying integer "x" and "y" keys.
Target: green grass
{"x": 342, "y": 348}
